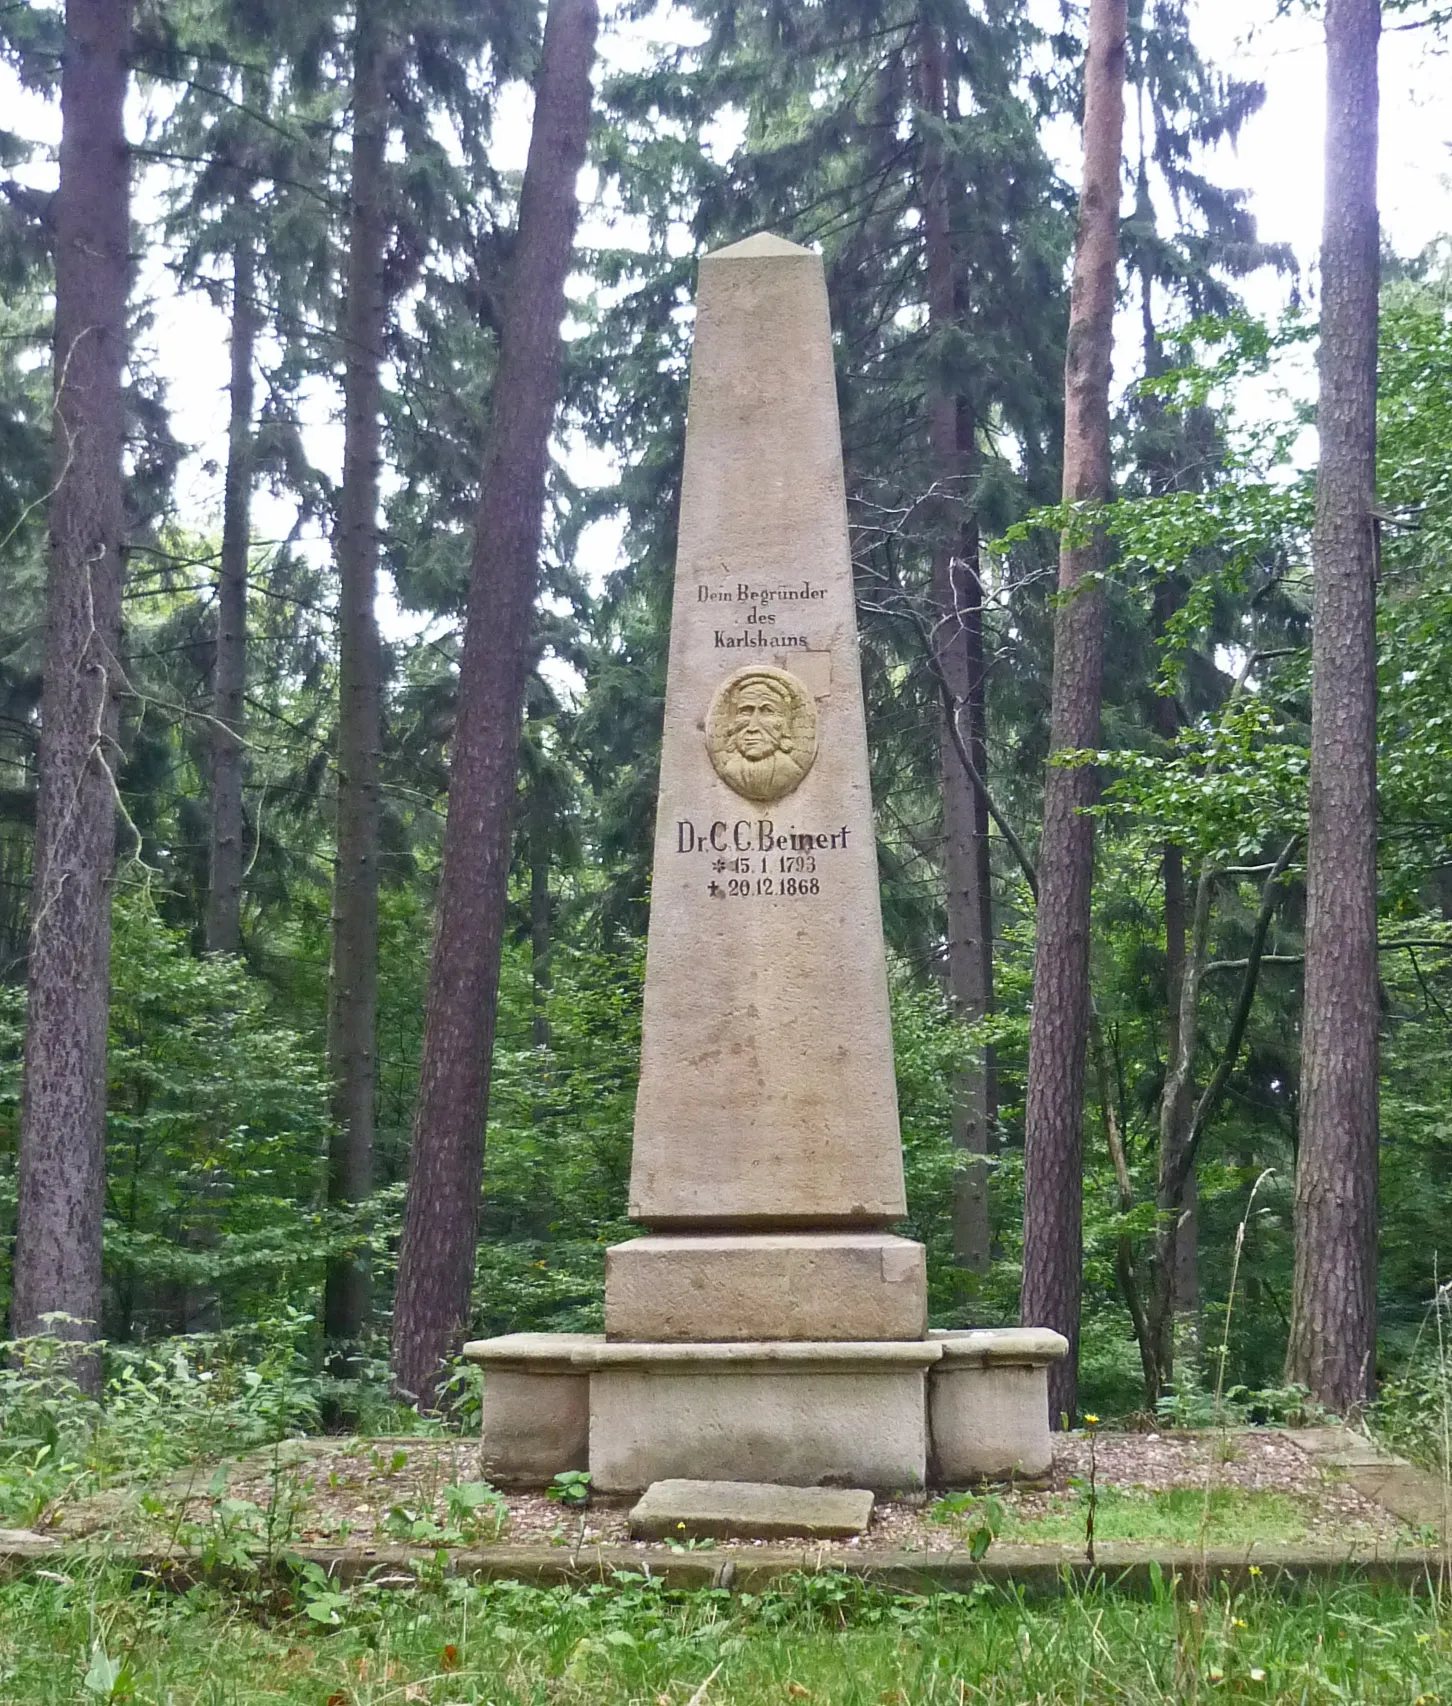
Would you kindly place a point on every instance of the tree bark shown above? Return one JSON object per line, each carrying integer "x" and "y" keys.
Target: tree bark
{"x": 1167, "y": 726}
{"x": 353, "y": 984}
{"x": 63, "y": 1117}
{"x": 1054, "y": 1115}
{"x": 957, "y": 601}
{"x": 229, "y": 673}
{"x": 1177, "y": 1110}
{"x": 1333, "y": 1310}
{"x": 541, "y": 921}
{"x": 1179, "y": 1149}
{"x": 436, "y": 1259}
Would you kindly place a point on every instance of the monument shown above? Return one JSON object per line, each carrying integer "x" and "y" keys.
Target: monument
{"x": 768, "y": 1326}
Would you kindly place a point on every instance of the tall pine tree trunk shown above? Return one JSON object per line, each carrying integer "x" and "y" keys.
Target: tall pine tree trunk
{"x": 957, "y": 614}
{"x": 1054, "y": 1116}
{"x": 1333, "y": 1309}
{"x": 436, "y": 1259}
{"x": 229, "y": 674}
{"x": 63, "y": 1117}
{"x": 353, "y": 985}
{"x": 541, "y": 934}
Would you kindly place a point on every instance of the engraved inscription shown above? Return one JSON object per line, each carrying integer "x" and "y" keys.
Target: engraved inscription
{"x": 760, "y": 628}
{"x": 761, "y": 732}
{"x": 756, "y": 860}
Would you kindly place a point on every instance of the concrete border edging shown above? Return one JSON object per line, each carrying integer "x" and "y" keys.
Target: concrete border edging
{"x": 1033, "y": 1570}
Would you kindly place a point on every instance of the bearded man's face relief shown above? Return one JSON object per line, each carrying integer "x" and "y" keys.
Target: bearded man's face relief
{"x": 761, "y": 732}
{"x": 761, "y": 724}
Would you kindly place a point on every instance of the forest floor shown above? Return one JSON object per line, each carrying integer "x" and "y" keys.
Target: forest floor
{"x": 1222, "y": 1489}
{"x": 99, "y": 1606}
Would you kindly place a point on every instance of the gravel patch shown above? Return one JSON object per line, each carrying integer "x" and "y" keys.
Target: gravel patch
{"x": 368, "y": 1493}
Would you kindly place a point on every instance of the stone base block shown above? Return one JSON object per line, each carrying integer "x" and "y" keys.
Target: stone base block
{"x": 682, "y": 1287}
{"x": 814, "y": 1413}
{"x": 536, "y": 1406}
{"x": 848, "y": 1414}
{"x": 988, "y": 1405}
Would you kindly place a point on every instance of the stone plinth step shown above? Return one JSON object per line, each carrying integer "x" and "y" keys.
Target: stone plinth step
{"x": 766, "y": 1285}
{"x": 749, "y": 1510}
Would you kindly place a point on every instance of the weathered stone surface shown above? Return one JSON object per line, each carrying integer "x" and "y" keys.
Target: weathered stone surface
{"x": 804, "y": 1415}
{"x": 779, "y": 1285}
{"x": 1414, "y": 1495}
{"x": 801, "y": 1356}
{"x": 540, "y": 1353}
{"x": 988, "y": 1408}
{"x": 17, "y": 1539}
{"x": 766, "y": 1090}
{"x": 582, "y": 1352}
{"x": 749, "y": 1510}
{"x": 1024, "y": 1347}
{"x": 536, "y": 1406}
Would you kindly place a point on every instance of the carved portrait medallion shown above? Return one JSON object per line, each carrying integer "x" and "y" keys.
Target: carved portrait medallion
{"x": 761, "y": 732}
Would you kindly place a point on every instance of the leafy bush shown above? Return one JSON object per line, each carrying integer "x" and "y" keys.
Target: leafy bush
{"x": 217, "y": 1123}
{"x": 174, "y": 1403}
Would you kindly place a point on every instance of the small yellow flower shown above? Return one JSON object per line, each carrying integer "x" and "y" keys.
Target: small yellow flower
{"x": 1091, "y": 1421}
{"x": 1255, "y": 1569}
{"x": 1239, "y": 1623}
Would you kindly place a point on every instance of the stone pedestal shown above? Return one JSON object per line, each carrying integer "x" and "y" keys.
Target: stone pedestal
{"x": 536, "y": 1406}
{"x": 988, "y": 1406}
{"x": 673, "y": 1287}
{"x": 954, "y": 1408}
{"x": 805, "y": 1415}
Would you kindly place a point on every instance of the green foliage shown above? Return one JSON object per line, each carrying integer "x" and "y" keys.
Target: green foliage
{"x": 168, "y": 1405}
{"x": 823, "y": 1637}
{"x": 1190, "y": 1405}
{"x": 979, "y": 1520}
{"x": 217, "y": 1122}
{"x": 474, "y": 1513}
{"x": 1413, "y": 1409}
{"x": 570, "y": 1487}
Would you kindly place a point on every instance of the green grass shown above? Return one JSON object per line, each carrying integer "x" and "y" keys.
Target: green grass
{"x": 1183, "y": 1516}
{"x": 828, "y": 1639}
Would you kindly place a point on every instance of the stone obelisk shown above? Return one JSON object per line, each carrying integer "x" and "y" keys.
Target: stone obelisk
{"x": 767, "y": 1327}
{"x": 767, "y": 1152}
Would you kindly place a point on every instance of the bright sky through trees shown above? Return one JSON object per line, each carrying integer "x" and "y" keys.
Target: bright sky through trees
{"x": 1279, "y": 160}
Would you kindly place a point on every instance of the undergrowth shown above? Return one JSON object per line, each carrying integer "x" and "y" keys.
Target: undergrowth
{"x": 1177, "y": 1516}
{"x": 77, "y": 1636}
{"x": 173, "y": 1405}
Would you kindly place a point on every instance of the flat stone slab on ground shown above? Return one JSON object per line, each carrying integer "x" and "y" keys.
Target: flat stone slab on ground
{"x": 1416, "y": 1496}
{"x": 749, "y": 1510}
